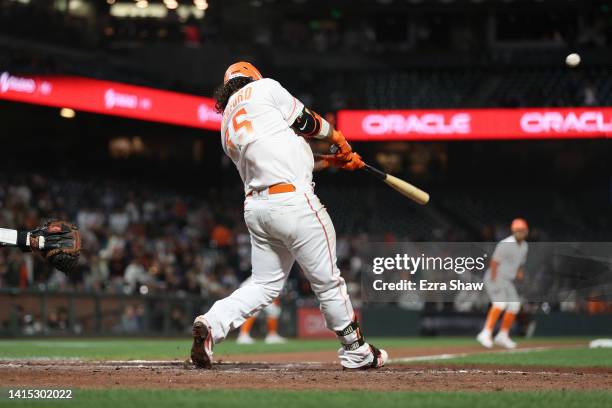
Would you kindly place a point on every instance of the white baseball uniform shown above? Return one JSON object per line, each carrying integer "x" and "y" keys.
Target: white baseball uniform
{"x": 510, "y": 256}
{"x": 284, "y": 227}
{"x": 272, "y": 310}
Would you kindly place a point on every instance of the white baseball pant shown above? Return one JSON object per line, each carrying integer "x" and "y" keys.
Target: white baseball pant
{"x": 503, "y": 294}
{"x": 273, "y": 310}
{"x": 285, "y": 228}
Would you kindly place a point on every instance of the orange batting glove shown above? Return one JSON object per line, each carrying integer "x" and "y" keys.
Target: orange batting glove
{"x": 344, "y": 149}
{"x": 354, "y": 164}
{"x": 337, "y": 161}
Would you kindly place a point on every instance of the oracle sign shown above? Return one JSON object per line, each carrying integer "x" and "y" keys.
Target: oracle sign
{"x": 471, "y": 124}
{"x": 112, "y": 98}
{"x": 550, "y": 121}
{"x": 428, "y": 123}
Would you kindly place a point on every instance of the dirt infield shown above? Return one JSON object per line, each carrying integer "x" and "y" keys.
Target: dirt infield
{"x": 293, "y": 371}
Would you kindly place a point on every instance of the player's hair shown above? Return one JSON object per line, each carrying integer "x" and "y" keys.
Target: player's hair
{"x": 224, "y": 92}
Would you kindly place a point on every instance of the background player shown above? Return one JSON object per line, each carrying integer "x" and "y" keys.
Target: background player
{"x": 272, "y": 313}
{"x": 506, "y": 265}
{"x": 261, "y": 132}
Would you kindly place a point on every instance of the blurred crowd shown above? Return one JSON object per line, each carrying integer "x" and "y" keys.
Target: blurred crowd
{"x": 134, "y": 240}
{"x": 150, "y": 240}
{"x": 138, "y": 240}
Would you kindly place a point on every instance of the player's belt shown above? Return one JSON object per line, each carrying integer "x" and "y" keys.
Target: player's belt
{"x": 276, "y": 189}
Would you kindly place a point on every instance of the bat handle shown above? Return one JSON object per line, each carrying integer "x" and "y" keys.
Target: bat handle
{"x": 375, "y": 172}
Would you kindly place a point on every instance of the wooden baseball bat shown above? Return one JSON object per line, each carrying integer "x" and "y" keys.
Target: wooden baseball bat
{"x": 403, "y": 187}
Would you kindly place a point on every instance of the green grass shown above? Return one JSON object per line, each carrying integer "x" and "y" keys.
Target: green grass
{"x": 121, "y": 349}
{"x": 178, "y": 348}
{"x": 569, "y": 357}
{"x": 318, "y": 399}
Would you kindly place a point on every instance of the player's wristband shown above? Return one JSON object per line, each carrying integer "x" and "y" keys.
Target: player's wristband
{"x": 11, "y": 237}
{"x": 325, "y": 129}
{"x": 23, "y": 241}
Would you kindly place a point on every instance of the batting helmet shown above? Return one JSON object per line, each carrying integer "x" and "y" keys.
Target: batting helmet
{"x": 241, "y": 69}
{"x": 518, "y": 224}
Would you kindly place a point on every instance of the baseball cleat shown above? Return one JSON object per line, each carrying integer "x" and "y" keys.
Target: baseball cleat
{"x": 502, "y": 339}
{"x": 245, "y": 339}
{"x": 274, "y": 338}
{"x": 380, "y": 359}
{"x": 484, "y": 338}
{"x": 201, "y": 350}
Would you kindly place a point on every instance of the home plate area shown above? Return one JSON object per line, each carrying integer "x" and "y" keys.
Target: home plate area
{"x": 410, "y": 369}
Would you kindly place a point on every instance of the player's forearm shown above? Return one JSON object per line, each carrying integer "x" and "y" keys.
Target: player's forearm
{"x": 320, "y": 165}
{"x": 309, "y": 124}
{"x": 320, "y": 162}
{"x": 14, "y": 238}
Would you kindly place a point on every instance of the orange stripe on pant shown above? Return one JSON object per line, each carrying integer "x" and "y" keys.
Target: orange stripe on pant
{"x": 507, "y": 321}
{"x": 492, "y": 317}
{"x": 331, "y": 259}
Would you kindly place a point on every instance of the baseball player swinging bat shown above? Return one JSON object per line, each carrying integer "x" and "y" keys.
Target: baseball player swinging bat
{"x": 265, "y": 132}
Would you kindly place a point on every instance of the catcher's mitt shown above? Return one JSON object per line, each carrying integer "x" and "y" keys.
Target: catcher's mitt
{"x": 59, "y": 242}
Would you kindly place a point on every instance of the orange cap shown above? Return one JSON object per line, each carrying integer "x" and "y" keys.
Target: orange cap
{"x": 241, "y": 69}
{"x": 519, "y": 224}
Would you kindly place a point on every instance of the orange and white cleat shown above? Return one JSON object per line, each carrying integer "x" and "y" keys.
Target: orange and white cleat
{"x": 274, "y": 338}
{"x": 502, "y": 339}
{"x": 485, "y": 339}
{"x": 380, "y": 359}
{"x": 201, "y": 350}
{"x": 245, "y": 339}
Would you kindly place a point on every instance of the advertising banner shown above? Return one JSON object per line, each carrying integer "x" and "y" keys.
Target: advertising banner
{"x": 111, "y": 98}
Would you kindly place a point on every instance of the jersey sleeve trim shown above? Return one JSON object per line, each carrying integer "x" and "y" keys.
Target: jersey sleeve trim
{"x": 297, "y": 109}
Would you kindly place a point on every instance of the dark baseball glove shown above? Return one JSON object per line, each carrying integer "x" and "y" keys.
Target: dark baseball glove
{"x": 59, "y": 242}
